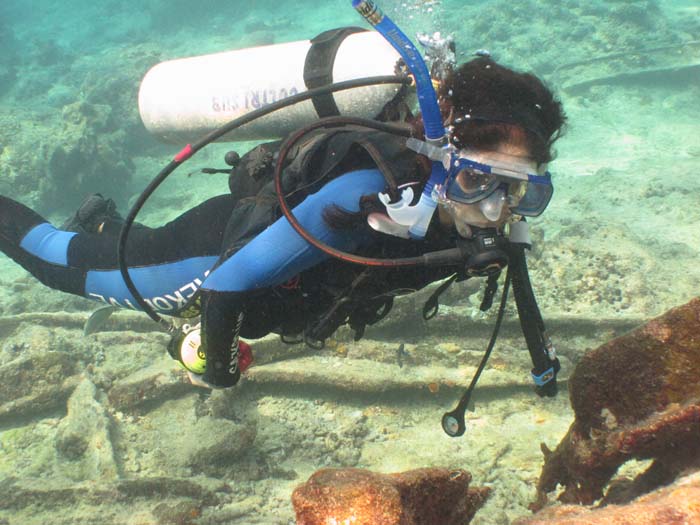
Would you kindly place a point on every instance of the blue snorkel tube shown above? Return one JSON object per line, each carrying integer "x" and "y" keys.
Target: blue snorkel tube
{"x": 435, "y": 133}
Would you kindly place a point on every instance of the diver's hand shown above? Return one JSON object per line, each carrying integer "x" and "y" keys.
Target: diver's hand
{"x": 193, "y": 360}
{"x": 197, "y": 380}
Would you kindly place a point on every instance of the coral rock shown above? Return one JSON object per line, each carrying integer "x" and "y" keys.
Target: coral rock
{"x": 637, "y": 396}
{"x": 417, "y": 497}
{"x": 154, "y": 384}
{"x": 36, "y": 384}
{"x": 83, "y": 436}
{"x": 678, "y": 503}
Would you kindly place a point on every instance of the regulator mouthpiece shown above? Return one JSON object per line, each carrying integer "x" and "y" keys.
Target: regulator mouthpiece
{"x": 492, "y": 206}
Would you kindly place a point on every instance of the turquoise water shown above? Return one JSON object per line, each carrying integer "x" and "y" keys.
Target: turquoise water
{"x": 618, "y": 245}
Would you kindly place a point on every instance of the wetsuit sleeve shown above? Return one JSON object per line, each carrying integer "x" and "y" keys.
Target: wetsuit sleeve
{"x": 272, "y": 258}
{"x": 222, "y": 317}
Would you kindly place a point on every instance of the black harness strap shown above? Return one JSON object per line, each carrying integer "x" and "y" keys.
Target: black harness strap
{"x": 382, "y": 165}
{"x": 545, "y": 366}
{"x": 368, "y": 314}
{"x": 490, "y": 292}
{"x": 318, "y": 67}
{"x": 315, "y": 335}
{"x": 430, "y": 308}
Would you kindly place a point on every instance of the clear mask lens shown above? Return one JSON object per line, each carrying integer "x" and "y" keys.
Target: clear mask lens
{"x": 472, "y": 181}
{"x": 470, "y": 185}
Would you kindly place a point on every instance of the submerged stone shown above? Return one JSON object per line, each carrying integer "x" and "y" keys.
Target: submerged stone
{"x": 418, "y": 497}
{"x": 155, "y": 384}
{"x": 677, "y": 503}
{"x": 83, "y": 436}
{"x": 36, "y": 384}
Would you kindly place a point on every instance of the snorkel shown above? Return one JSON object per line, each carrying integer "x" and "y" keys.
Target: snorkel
{"x": 417, "y": 217}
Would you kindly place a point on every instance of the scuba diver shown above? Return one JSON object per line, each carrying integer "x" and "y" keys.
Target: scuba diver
{"x": 280, "y": 253}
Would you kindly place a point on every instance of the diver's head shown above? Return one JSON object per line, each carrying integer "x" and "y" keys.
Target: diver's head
{"x": 503, "y": 124}
{"x": 485, "y": 188}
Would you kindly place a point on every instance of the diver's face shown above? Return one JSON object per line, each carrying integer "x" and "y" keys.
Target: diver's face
{"x": 463, "y": 216}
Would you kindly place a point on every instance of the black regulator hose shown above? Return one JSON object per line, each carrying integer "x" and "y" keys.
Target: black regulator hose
{"x": 191, "y": 149}
{"x": 453, "y": 422}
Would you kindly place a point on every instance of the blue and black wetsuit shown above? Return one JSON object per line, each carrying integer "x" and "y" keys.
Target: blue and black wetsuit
{"x": 190, "y": 255}
{"x": 272, "y": 258}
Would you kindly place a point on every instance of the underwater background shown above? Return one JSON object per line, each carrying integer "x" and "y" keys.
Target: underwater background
{"x": 101, "y": 428}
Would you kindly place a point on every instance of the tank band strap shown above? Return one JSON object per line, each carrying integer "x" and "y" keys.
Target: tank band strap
{"x": 318, "y": 67}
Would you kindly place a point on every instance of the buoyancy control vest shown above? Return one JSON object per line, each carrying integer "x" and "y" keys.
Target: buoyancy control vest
{"x": 343, "y": 293}
{"x": 323, "y": 155}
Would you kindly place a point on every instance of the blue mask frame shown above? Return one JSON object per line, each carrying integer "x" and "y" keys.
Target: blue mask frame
{"x": 535, "y": 200}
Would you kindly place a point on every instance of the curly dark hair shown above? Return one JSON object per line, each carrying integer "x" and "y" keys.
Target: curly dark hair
{"x": 489, "y": 104}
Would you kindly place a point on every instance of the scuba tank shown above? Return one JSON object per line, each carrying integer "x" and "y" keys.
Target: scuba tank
{"x": 182, "y": 100}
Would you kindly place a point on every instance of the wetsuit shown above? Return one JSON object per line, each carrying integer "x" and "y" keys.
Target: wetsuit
{"x": 275, "y": 282}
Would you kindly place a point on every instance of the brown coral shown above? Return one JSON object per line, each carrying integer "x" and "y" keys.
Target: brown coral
{"x": 417, "y": 497}
{"x": 679, "y": 503}
{"x": 637, "y": 396}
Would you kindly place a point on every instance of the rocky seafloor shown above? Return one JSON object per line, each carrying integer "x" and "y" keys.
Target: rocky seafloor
{"x": 105, "y": 428}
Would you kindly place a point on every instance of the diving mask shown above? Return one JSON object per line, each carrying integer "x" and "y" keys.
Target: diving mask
{"x": 495, "y": 180}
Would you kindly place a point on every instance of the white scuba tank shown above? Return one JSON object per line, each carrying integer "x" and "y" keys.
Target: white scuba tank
{"x": 182, "y": 100}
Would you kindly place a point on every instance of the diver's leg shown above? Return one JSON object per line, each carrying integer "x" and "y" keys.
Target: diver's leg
{"x": 167, "y": 264}
{"x": 29, "y": 240}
